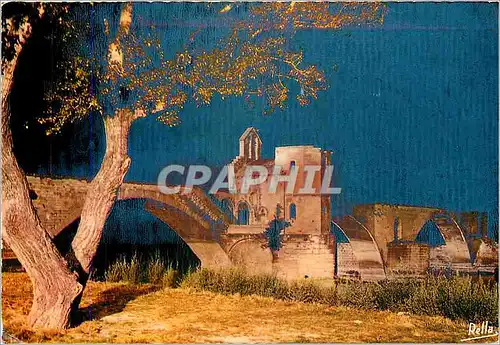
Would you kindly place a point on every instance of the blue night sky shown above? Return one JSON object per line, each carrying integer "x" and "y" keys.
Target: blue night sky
{"x": 411, "y": 113}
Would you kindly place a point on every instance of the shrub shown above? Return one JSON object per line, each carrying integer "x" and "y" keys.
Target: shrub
{"x": 391, "y": 294}
{"x": 121, "y": 270}
{"x": 234, "y": 280}
{"x": 155, "y": 269}
{"x": 329, "y": 296}
{"x": 356, "y": 294}
{"x": 305, "y": 291}
{"x": 455, "y": 297}
{"x": 132, "y": 272}
{"x": 114, "y": 273}
{"x": 269, "y": 285}
{"x": 467, "y": 299}
{"x": 203, "y": 279}
{"x": 424, "y": 300}
{"x": 170, "y": 278}
{"x": 136, "y": 270}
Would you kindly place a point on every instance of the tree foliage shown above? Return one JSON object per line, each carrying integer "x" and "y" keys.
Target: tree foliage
{"x": 253, "y": 60}
{"x": 19, "y": 19}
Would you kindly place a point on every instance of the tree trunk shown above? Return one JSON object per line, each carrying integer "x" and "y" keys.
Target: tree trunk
{"x": 58, "y": 289}
{"x": 102, "y": 194}
{"x": 103, "y": 190}
{"x": 55, "y": 287}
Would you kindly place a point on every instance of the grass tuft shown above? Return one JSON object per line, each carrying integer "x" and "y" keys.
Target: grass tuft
{"x": 123, "y": 270}
{"x": 457, "y": 298}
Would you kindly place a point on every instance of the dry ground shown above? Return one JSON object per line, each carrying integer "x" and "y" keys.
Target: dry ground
{"x": 125, "y": 313}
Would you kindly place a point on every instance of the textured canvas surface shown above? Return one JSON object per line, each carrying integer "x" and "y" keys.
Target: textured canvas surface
{"x": 400, "y": 99}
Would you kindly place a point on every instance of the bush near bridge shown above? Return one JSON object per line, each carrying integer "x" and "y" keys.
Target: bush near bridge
{"x": 457, "y": 298}
{"x": 153, "y": 270}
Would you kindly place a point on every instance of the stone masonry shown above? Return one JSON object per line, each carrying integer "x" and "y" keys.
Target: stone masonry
{"x": 377, "y": 241}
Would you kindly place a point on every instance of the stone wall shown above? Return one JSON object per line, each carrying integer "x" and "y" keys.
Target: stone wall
{"x": 474, "y": 224}
{"x": 407, "y": 259}
{"x": 299, "y": 255}
{"x": 58, "y": 201}
{"x": 347, "y": 264}
{"x": 246, "y": 229}
{"x": 487, "y": 256}
{"x": 313, "y": 211}
{"x": 305, "y": 255}
{"x": 380, "y": 219}
{"x": 253, "y": 255}
{"x": 364, "y": 248}
{"x": 306, "y": 248}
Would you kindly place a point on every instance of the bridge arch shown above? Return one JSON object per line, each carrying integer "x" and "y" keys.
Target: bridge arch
{"x": 202, "y": 241}
{"x": 448, "y": 247}
{"x": 381, "y": 221}
{"x": 356, "y": 253}
{"x": 192, "y": 216}
{"x": 260, "y": 260}
{"x": 132, "y": 230}
{"x": 430, "y": 234}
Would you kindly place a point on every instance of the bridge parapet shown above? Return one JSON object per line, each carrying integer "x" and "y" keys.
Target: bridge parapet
{"x": 59, "y": 202}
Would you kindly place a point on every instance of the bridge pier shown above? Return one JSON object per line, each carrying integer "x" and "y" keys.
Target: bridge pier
{"x": 379, "y": 239}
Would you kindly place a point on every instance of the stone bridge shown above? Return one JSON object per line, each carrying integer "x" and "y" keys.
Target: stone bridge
{"x": 396, "y": 223}
{"x": 194, "y": 217}
{"x": 378, "y": 241}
